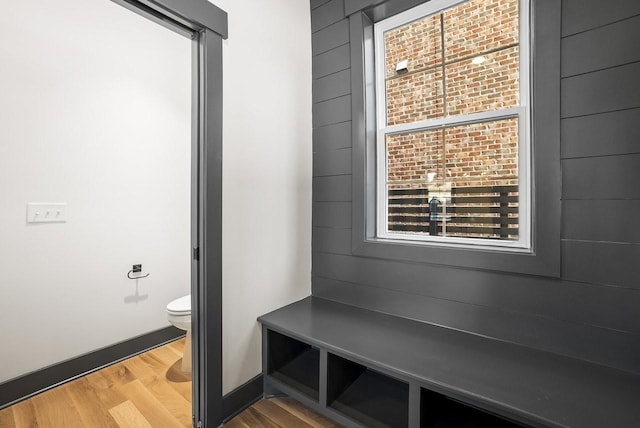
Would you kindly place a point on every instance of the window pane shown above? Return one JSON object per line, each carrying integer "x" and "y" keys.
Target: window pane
{"x": 480, "y": 71}
{"x": 460, "y": 181}
{"x": 415, "y": 96}
{"x": 414, "y": 161}
{"x": 480, "y": 26}
{"x": 489, "y": 86}
{"x": 482, "y": 154}
{"x": 414, "y": 158}
{"x": 415, "y": 93}
{"x": 419, "y": 42}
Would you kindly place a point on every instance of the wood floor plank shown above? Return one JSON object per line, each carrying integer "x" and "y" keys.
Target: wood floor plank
{"x": 148, "y": 390}
{"x": 24, "y": 414}
{"x": 127, "y": 415}
{"x": 88, "y": 403}
{"x": 283, "y": 412}
{"x": 148, "y": 370}
{"x": 177, "y": 346}
{"x": 105, "y": 390}
{"x": 170, "y": 357}
{"x": 162, "y": 389}
{"x": 236, "y": 423}
{"x": 314, "y": 419}
{"x": 177, "y": 405}
{"x": 166, "y": 355}
{"x": 182, "y": 388}
{"x": 117, "y": 374}
{"x": 54, "y": 408}
{"x": 151, "y": 408}
{"x": 254, "y": 418}
{"x": 153, "y": 361}
{"x": 6, "y": 418}
{"x": 279, "y": 414}
{"x": 140, "y": 370}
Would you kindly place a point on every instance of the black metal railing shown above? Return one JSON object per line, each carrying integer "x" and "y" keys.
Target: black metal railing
{"x": 476, "y": 212}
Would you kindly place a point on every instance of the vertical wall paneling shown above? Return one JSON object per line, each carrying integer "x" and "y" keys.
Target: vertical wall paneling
{"x": 332, "y": 111}
{"x": 337, "y": 162}
{"x": 605, "y": 263}
{"x": 606, "y": 220}
{"x": 317, "y": 3}
{"x": 331, "y": 61}
{"x": 584, "y": 15}
{"x": 326, "y": 14}
{"x": 606, "y": 177}
{"x": 607, "y": 90}
{"x": 591, "y": 311}
{"x": 591, "y": 50}
{"x": 330, "y": 37}
{"x": 332, "y": 86}
{"x": 332, "y": 137}
{"x": 335, "y": 188}
{"x": 332, "y": 214}
{"x": 584, "y": 136}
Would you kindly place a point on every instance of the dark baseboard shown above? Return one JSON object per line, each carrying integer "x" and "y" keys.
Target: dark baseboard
{"x": 242, "y": 397}
{"x": 25, "y": 386}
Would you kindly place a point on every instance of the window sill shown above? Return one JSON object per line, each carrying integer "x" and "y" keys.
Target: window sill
{"x": 490, "y": 259}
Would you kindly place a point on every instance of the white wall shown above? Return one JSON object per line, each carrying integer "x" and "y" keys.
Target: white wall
{"x": 95, "y": 112}
{"x": 266, "y": 173}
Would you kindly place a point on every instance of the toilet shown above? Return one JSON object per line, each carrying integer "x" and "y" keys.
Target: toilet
{"x": 179, "y": 314}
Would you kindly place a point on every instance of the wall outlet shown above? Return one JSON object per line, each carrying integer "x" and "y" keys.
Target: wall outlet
{"x": 40, "y": 212}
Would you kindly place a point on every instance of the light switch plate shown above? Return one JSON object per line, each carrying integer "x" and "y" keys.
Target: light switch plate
{"x": 40, "y": 212}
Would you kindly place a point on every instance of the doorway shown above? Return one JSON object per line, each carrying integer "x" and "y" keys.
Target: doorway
{"x": 204, "y": 26}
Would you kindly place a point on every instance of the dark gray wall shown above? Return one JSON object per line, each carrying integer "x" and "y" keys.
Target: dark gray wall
{"x": 593, "y": 311}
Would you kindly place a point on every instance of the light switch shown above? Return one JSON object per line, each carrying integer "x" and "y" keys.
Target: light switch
{"x": 39, "y": 212}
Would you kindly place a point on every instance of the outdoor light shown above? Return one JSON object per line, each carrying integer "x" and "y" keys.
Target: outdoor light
{"x": 402, "y": 67}
{"x": 478, "y": 60}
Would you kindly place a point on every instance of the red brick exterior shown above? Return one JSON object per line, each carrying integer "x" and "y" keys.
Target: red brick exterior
{"x": 437, "y": 85}
{"x": 481, "y": 154}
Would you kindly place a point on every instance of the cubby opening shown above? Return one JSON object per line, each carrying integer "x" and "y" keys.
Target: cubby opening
{"x": 294, "y": 363}
{"x": 366, "y": 396}
{"x": 440, "y": 411}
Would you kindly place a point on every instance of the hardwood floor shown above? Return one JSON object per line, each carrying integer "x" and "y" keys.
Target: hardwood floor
{"x": 280, "y": 413}
{"x": 146, "y": 391}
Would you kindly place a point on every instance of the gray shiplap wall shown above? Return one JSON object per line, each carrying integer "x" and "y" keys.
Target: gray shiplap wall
{"x": 593, "y": 311}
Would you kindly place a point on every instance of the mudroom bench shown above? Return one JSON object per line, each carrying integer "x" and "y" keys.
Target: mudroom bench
{"x": 367, "y": 369}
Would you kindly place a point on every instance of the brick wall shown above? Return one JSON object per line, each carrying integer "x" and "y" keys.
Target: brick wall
{"x": 472, "y": 155}
{"x": 448, "y": 83}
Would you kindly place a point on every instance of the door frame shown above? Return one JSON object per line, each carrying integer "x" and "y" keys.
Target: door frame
{"x": 206, "y": 25}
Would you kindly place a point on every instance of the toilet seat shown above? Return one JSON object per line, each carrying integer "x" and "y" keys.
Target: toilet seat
{"x": 179, "y": 314}
{"x": 180, "y": 306}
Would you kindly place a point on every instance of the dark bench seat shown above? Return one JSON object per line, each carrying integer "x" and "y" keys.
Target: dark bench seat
{"x": 527, "y": 386}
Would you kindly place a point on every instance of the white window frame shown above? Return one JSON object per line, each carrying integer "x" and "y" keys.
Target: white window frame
{"x": 522, "y": 112}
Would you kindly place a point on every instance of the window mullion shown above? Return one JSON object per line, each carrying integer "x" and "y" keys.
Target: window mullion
{"x": 447, "y": 122}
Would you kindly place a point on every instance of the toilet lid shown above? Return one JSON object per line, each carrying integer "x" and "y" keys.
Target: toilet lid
{"x": 181, "y": 305}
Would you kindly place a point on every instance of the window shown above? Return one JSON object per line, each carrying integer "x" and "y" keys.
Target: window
{"x": 453, "y": 125}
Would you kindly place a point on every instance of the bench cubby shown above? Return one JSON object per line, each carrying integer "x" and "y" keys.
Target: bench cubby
{"x": 440, "y": 411}
{"x": 367, "y": 369}
{"x": 367, "y": 396}
{"x": 294, "y": 363}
